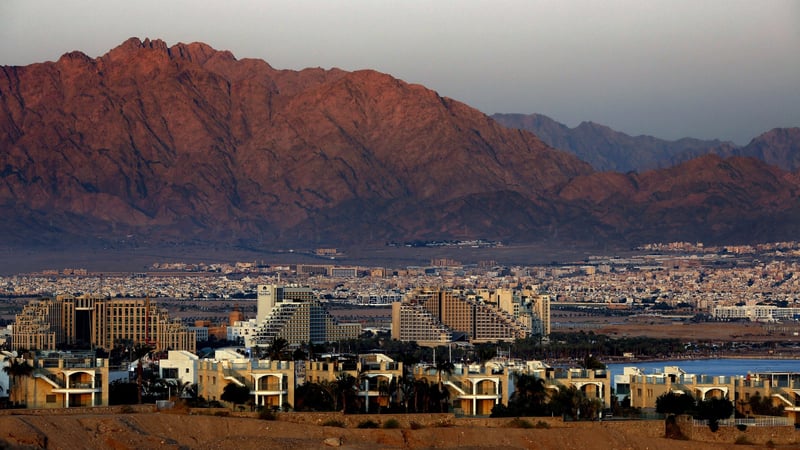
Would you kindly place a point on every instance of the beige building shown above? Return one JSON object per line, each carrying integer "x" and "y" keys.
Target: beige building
{"x": 89, "y": 322}
{"x": 295, "y": 314}
{"x": 375, "y": 373}
{"x": 410, "y": 323}
{"x": 63, "y": 380}
{"x": 474, "y": 388}
{"x": 783, "y": 389}
{"x": 271, "y": 383}
{"x": 479, "y": 320}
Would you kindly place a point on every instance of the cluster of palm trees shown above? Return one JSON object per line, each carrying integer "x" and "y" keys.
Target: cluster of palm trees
{"x": 532, "y": 397}
{"x": 400, "y": 395}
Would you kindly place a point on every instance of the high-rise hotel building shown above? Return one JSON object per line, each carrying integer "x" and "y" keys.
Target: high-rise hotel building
{"x": 297, "y": 315}
{"x": 427, "y": 315}
{"x": 89, "y": 321}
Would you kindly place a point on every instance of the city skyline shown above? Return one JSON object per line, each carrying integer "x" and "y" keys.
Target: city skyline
{"x": 671, "y": 70}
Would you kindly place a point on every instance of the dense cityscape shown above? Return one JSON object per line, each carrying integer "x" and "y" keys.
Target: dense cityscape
{"x": 259, "y": 324}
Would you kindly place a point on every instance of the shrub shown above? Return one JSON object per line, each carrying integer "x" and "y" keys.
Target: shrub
{"x": 742, "y": 440}
{"x": 519, "y": 423}
{"x": 127, "y": 409}
{"x": 416, "y": 425}
{"x": 741, "y": 427}
{"x": 266, "y": 414}
{"x": 443, "y": 424}
{"x": 222, "y": 413}
{"x": 333, "y": 423}
{"x": 391, "y": 423}
{"x": 367, "y": 424}
{"x": 542, "y": 425}
{"x": 770, "y": 444}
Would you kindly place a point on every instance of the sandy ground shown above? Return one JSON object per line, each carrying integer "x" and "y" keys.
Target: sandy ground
{"x": 175, "y": 431}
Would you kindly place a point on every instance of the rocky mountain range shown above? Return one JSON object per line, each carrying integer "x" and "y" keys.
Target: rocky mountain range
{"x": 188, "y": 144}
{"x": 609, "y": 150}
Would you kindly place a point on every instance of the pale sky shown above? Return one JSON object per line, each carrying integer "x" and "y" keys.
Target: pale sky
{"x": 725, "y": 69}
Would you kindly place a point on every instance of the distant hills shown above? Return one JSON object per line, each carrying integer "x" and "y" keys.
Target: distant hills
{"x": 187, "y": 144}
{"x": 609, "y": 150}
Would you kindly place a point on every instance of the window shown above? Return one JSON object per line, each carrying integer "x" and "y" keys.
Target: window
{"x": 50, "y": 398}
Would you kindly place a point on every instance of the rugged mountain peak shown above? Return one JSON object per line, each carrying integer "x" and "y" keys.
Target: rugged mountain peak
{"x": 197, "y": 52}
{"x": 187, "y": 143}
{"x": 779, "y": 147}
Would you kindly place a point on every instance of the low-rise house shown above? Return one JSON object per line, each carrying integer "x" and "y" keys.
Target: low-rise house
{"x": 271, "y": 383}
{"x": 62, "y": 380}
{"x": 375, "y": 373}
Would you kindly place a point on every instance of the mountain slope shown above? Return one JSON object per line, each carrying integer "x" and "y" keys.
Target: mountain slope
{"x": 185, "y": 143}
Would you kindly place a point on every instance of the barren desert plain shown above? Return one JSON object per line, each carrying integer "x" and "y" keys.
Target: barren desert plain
{"x": 180, "y": 430}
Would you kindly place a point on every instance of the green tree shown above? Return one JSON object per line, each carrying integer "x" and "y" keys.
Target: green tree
{"x": 763, "y": 406}
{"x": 592, "y": 363}
{"x": 235, "y": 393}
{"x": 122, "y": 393}
{"x": 713, "y": 410}
{"x": 674, "y": 403}
{"x": 313, "y": 397}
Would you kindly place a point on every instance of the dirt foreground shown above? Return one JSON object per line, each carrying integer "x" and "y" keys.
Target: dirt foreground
{"x": 153, "y": 430}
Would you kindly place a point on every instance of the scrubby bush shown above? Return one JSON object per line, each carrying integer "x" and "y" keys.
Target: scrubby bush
{"x": 367, "y": 424}
{"x": 266, "y": 414}
{"x": 416, "y": 426}
{"x": 391, "y": 424}
{"x": 542, "y": 425}
{"x": 519, "y": 423}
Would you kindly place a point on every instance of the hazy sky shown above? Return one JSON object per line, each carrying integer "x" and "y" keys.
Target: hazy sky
{"x": 724, "y": 69}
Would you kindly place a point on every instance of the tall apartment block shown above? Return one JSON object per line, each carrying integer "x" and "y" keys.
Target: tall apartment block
{"x": 89, "y": 321}
{"x": 295, "y": 314}
{"x": 480, "y": 320}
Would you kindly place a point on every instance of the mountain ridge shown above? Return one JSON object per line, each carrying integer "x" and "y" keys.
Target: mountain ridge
{"x": 185, "y": 143}
{"x": 610, "y": 150}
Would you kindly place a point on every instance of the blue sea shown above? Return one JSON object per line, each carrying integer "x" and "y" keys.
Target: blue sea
{"x": 714, "y": 367}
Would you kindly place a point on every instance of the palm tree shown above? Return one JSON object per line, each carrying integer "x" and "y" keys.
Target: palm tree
{"x": 18, "y": 368}
{"x": 277, "y": 347}
{"x": 346, "y": 386}
{"x": 446, "y": 367}
{"x": 530, "y": 395}
{"x": 140, "y": 351}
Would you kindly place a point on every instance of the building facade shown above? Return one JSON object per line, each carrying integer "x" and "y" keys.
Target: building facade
{"x": 295, "y": 314}
{"x": 63, "y": 380}
{"x": 90, "y": 322}
{"x": 479, "y": 320}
